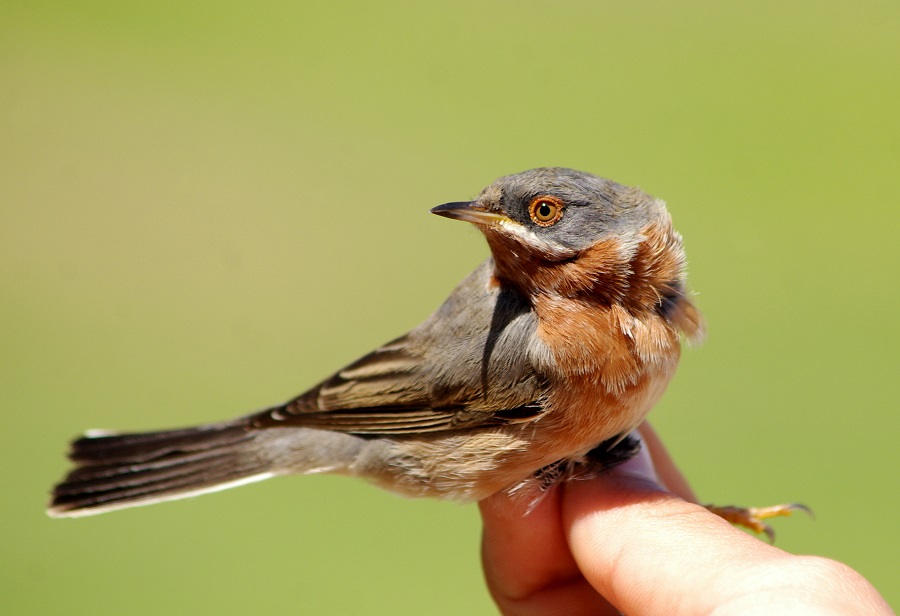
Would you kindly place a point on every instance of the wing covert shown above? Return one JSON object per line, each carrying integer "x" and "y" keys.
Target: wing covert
{"x": 466, "y": 366}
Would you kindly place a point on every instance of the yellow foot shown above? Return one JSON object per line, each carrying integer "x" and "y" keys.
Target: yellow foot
{"x": 752, "y": 517}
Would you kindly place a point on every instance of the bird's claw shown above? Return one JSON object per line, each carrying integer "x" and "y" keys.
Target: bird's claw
{"x": 752, "y": 517}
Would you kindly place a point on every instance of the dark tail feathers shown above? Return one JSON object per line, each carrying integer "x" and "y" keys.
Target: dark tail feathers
{"x": 124, "y": 470}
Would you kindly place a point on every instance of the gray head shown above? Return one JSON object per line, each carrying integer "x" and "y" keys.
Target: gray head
{"x": 559, "y": 212}
{"x": 558, "y": 233}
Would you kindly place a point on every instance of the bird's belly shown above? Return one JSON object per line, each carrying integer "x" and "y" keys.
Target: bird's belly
{"x": 586, "y": 415}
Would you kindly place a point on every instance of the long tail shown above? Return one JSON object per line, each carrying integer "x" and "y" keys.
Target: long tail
{"x": 123, "y": 470}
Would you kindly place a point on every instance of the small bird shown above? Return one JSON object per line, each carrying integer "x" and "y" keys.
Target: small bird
{"x": 535, "y": 368}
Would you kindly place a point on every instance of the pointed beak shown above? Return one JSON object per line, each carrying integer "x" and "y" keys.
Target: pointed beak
{"x": 469, "y": 211}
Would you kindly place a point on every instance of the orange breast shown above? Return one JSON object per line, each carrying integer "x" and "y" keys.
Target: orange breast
{"x": 611, "y": 368}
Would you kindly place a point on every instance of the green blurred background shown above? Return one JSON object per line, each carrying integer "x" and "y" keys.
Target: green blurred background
{"x": 207, "y": 207}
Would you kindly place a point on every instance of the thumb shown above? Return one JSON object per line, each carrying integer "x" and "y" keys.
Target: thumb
{"x": 645, "y": 549}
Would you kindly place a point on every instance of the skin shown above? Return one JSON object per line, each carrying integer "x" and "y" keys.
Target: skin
{"x": 634, "y": 541}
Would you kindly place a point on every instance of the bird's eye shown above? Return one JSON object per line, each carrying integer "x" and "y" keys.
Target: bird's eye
{"x": 546, "y": 210}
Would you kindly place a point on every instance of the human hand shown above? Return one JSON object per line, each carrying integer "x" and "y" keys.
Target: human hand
{"x": 621, "y": 543}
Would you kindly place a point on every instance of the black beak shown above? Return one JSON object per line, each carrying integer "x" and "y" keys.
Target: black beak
{"x": 469, "y": 211}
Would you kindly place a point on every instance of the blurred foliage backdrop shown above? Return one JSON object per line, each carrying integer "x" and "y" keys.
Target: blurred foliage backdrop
{"x": 206, "y": 207}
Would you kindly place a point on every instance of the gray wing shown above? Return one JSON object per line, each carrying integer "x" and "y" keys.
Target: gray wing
{"x": 468, "y": 365}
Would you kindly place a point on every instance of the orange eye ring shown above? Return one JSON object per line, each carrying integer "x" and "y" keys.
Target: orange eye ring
{"x": 546, "y": 210}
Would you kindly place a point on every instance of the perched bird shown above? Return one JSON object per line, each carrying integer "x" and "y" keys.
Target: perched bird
{"x": 538, "y": 364}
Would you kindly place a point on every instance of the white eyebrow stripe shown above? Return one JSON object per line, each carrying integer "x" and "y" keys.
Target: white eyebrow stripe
{"x": 530, "y": 238}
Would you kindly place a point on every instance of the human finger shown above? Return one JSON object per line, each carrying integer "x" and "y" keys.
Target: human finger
{"x": 527, "y": 563}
